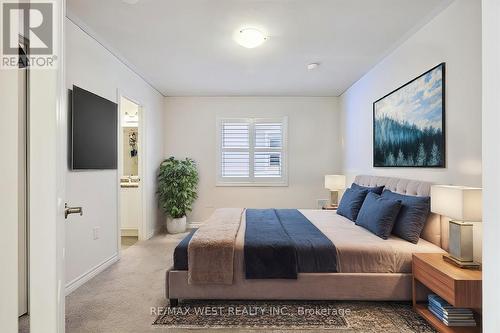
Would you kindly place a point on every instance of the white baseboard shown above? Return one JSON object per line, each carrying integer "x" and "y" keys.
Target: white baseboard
{"x": 129, "y": 232}
{"x": 79, "y": 281}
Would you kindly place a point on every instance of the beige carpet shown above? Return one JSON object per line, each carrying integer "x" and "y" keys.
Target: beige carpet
{"x": 120, "y": 298}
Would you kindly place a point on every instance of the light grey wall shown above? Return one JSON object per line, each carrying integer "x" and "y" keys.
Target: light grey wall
{"x": 92, "y": 67}
{"x": 313, "y": 147}
{"x": 491, "y": 163}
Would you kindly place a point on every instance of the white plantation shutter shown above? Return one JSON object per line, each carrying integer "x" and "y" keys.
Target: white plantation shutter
{"x": 251, "y": 152}
{"x": 236, "y": 135}
{"x": 267, "y": 164}
{"x": 235, "y": 159}
{"x": 235, "y": 164}
{"x": 267, "y": 150}
{"x": 268, "y": 135}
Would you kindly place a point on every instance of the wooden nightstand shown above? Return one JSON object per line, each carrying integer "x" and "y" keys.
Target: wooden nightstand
{"x": 330, "y": 207}
{"x": 459, "y": 287}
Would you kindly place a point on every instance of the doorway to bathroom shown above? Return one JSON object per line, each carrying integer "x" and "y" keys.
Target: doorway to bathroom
{"x": 131, "y": 172}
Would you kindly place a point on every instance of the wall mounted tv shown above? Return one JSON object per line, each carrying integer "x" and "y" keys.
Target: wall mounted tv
{"x": 94, "y": 131}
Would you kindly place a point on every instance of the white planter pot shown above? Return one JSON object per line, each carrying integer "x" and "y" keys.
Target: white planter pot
{"x": 176, "y": 226}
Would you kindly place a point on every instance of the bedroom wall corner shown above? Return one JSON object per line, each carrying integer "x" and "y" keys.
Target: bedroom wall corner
{"x": 454, "y": 37}
{"x": 313, "y": 148}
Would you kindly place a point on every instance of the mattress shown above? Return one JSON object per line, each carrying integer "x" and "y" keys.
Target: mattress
{"x": 358, "y": 250}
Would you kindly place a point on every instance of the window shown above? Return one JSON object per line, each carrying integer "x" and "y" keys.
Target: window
{"x": 251, "y": 152}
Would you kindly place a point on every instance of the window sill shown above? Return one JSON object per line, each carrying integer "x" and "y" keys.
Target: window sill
{"x": 244, "y": 184}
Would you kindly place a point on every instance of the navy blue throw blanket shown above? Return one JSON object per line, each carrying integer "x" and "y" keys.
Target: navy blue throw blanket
{"x": 269, "y": 252}
{"x": 181, "y": 253}
{"x": 279, "y": 243}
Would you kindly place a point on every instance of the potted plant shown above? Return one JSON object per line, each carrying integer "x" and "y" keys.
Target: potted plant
{"x": 177, "y": 182}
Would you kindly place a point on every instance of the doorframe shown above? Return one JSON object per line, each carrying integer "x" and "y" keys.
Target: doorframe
{"x": 9, "y": 129}
{"x": 141, "y": 228}
{"x": 48, "y": 165}
{"x": 24, "y": 189}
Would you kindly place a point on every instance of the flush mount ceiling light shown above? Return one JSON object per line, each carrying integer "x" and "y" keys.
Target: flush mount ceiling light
{"x": 250, "y": 37}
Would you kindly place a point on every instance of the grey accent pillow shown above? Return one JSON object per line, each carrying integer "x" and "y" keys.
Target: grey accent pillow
{"x": 412, "y": 216}
{"x": 375, "y": 189}
{"x": 351, "y": 203}
{"x": 378, "y": 214}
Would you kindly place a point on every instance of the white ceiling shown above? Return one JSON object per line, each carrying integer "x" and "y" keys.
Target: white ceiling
{"x": 185, "y": 47}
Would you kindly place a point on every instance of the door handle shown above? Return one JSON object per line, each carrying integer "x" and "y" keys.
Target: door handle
{"x": 72, "y": 210}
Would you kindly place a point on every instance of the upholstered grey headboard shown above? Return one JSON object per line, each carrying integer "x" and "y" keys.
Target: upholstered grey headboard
{"x": 434, "y": 231}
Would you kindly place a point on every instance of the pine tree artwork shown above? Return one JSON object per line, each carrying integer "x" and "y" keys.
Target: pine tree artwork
{"x": 408, "y": 123}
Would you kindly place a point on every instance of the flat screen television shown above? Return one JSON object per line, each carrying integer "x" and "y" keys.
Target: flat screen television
{"x": 94, "y": 131}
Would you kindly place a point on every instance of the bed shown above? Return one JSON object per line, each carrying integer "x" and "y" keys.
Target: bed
{"x": 368, "y": 267}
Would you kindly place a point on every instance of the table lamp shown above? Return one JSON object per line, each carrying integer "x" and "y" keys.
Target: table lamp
{"x": 335, "y": 183}
{"x": 462, "y": 205}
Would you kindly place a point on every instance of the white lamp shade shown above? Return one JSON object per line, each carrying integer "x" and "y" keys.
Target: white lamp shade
{"x": 335, "y": 182}
{"x": 457, "y": 202}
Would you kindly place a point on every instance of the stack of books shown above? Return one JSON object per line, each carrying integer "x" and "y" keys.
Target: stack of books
{"x": 448, "y": 314}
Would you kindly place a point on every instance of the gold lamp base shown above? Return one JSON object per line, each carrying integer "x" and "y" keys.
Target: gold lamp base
{"x": 334, "y": 198}
{"x": 462, "y": 264}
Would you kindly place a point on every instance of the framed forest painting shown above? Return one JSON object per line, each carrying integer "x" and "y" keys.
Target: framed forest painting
{"x": 409, "y": 123}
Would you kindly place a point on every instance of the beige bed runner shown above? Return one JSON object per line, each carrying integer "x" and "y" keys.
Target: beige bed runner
{"x": 211, "y": 250}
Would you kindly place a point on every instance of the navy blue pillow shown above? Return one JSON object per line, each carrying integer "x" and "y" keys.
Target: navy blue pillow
{"x": 412, "y": 216}
{"x": 376, "y": 189}
{"x": 351, "y": 203}
{"x": 378, "y": 214}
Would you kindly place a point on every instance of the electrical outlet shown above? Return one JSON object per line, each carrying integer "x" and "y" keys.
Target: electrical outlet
{"x": 96, "y": 233}
{"x": 322, "y": 203}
